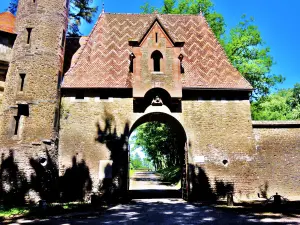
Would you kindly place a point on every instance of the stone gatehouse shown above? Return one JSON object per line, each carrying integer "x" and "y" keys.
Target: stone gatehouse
{"x": 70, "y": 104}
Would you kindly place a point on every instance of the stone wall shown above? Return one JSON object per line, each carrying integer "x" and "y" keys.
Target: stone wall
{"x": 277, "y": 157}
{"x": 88, "y": 127}
{"x": 217, "y": 130}
{"x": 220, "y": 133}
{"x": 29, "y": 172}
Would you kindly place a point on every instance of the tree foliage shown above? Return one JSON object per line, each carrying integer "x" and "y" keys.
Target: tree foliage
{"x": 244, "y": 45}
{"x": 246, "y": 51}
{"x": 136, "y": 161}
{"x": 159, "y": 143}
{"x": 283, "y": 105}
{"x": 79, "y": 10}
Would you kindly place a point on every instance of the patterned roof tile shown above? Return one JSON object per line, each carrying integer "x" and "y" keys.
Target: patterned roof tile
{"x": 103, "y": 61}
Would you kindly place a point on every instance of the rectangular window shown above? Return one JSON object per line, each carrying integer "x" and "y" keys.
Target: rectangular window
{"x": 22, "y": 76}
{"x": 33, "y": 1}
{"x": 80, "y": 95}
{"x": 23, "y": 110}
{"x": 29, "y": 30}
{"x": 63, "y": 38}
{"x": 156, "y": 37}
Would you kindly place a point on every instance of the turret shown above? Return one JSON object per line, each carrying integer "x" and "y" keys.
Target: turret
{"x": 31, "y": 98}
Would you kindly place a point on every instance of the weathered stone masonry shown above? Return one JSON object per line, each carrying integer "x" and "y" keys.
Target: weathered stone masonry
{"x": 277, "y": 157}
{"x": 108, "y": 91}
{"x": 38, "y": 54}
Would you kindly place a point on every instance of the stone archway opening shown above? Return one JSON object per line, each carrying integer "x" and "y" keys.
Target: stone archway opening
{"x": 163, "y": 175}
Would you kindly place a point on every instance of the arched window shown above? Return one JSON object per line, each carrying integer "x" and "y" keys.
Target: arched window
{"x": 131, "y": 58}
{"x": 156, "y": 56}
{"x": 180, "y": 57}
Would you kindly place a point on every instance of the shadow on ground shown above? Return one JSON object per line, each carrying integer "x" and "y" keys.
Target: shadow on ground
{"x": 174, "y": 211}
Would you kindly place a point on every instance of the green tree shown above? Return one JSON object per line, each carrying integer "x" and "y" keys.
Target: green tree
{"x": 244, "y": 45}
{"x": 159, "y": 143}
{"x": 246, "y": 51}
{"x": 79, "y": 10}
{"x": 136, "y": 161}
{"x": 282, "y": 105}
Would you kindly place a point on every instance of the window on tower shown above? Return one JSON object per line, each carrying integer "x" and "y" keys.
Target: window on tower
{"x": 29, "y": 30}
{"x": 23, "y": 110}
{"x": 22, "y": 81}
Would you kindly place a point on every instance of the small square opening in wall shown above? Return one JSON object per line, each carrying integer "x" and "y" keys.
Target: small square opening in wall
{"x": 79, "y": 95}
{"x": 104, "y": 96}
{"x": 23, "y": 110}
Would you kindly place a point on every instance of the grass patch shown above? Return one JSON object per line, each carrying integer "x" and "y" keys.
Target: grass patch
{"x": 131, "y": 172}
{"x": 52, "y": 209}
{"x": 9, "y": 212}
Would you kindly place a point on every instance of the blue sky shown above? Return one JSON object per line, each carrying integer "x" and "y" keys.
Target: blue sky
{"x": 277, "y": 20}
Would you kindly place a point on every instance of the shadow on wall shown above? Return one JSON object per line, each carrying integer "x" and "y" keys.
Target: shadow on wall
{"x": 115, "y": 187}
{"x": 200, "y": 187}
{"x": 263, "y": 189}
{"x": 14, "y": 184}
{"x": 45, "y": 180}
{"x": 76, "y": 182}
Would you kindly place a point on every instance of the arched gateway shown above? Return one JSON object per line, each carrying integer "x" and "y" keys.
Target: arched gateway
{"x": 138, "y": 68}
{"x": 163, "y": 115}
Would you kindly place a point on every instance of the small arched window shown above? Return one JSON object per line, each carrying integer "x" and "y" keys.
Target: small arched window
{"x": 180, "y": 57}
{"x": 131, "y": 58}
{"x": 156, "y": 56}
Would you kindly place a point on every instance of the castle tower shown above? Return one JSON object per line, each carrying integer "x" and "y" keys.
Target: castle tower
{"x": 29, "y": 111}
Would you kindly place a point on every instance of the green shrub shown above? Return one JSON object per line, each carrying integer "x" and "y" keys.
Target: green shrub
{"x": 170, "y": 174}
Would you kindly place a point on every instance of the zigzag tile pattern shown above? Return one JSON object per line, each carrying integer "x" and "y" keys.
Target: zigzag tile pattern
{"x": 104, "y": 59}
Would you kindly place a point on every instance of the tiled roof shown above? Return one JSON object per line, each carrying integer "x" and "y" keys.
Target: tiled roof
{"x": 103, "y": 61}
{"x": 7, "y": 22}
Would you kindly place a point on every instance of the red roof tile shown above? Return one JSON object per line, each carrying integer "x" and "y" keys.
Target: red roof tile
{"x": 7, "y": 22}
{"x": 103, "y": 60}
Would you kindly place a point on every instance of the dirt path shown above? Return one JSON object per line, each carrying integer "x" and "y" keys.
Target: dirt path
{"x": 142, "y": 180}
